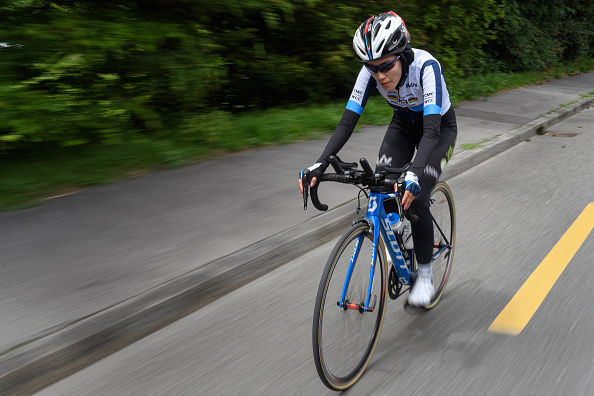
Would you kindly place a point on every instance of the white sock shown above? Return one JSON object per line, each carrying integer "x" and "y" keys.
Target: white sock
{"x": 425, "y": 270}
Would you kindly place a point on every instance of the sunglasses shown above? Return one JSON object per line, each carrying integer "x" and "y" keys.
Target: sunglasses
{"x": 384, "y": 67}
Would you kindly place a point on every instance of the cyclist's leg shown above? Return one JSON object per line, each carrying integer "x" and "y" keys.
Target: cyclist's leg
{"x": 396, "y": 150}
{"x": 423, "y": 229}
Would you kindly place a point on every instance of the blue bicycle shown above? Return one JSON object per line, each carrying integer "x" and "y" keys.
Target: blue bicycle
{"x": 351, "y": 298}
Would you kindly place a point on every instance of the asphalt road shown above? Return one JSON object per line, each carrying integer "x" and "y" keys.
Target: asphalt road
{"x": 511, "y": 211}
{"x": 87, "y": 274}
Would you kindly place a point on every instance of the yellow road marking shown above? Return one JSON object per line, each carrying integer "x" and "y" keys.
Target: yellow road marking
{"x": 518, "y": 312}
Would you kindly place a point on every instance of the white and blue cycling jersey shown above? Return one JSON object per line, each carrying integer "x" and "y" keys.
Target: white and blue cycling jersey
{"x": 421, "y": 106}
{"x": 423, "y": 92}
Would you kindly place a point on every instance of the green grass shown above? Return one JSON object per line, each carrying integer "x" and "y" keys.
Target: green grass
{"x": 471, "y": 146}
{"x": 33, "y": 177}
{"x": 478, "y": 86}
{"x": 30, "y": 178}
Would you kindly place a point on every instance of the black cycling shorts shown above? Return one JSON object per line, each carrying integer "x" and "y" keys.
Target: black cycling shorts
{"x": 397, "y": 149}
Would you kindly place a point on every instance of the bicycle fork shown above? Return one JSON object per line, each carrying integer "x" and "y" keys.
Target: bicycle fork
{"x": 366, "y": 307}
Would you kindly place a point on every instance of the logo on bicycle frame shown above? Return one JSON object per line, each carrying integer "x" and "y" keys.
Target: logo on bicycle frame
{"x": 390, "y": 233}
{"x": 372, "y": 205}
{"x": 396, "y": 249}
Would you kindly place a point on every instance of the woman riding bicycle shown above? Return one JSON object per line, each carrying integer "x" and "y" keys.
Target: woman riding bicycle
{"x": 412, "y": 82}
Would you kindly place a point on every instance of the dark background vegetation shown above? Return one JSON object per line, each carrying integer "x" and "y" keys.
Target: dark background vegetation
{"x": 105, "y": 72}
{"x": 93, "y": 91}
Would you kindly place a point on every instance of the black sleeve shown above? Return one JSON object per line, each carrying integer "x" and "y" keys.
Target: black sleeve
{"x": 431, "y": 127}
{"x": 341, "y": 135}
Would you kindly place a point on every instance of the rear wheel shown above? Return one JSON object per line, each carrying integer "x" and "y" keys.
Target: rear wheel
{"x": 443, "y": 213}
{"x": 344, "y": 337}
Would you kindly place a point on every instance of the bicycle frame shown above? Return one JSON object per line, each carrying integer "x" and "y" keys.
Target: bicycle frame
{"x": 378, "y": 219}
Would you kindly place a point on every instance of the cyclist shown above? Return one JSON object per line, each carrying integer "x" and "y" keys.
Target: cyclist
{"x": 412, "y": 82}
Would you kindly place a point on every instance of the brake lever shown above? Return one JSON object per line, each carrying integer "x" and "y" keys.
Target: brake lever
{"x": 305, "y": 183}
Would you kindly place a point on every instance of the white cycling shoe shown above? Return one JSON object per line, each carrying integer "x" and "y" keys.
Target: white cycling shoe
{"x": 422, "y": 290}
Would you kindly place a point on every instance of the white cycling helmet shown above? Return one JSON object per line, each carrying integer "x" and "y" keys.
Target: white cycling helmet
{"x": 379, "y": 36}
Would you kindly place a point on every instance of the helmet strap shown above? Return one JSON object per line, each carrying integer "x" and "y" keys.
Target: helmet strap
{"x": 406, "y": 57}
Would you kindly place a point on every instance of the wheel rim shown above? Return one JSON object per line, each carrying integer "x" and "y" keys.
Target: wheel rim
{"x": 444, "y": 231}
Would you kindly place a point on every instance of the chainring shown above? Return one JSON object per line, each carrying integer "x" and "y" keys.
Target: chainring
{"x": 394, "y": 287}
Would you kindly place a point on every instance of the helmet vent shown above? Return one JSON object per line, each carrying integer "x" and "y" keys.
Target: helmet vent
{"x": 388, "y": 24}
{"x": 397, "y": 35}
{"x": 376, "y": 29}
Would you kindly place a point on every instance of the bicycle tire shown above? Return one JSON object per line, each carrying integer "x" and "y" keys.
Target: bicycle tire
{"x": 443, "y": 212}
{"x": 338, "y": 332}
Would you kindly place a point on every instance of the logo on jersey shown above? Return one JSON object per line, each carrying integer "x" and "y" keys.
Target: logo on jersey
{"x": 357, "y": 95}
{"x": 412, "y": 100}
{"x": 432, "y": 172}
{"x": 393, "y": 96}
{"x": 384, "y": 161}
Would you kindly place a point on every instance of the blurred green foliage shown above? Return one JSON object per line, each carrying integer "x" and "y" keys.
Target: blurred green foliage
{"x": 95, "y": 72}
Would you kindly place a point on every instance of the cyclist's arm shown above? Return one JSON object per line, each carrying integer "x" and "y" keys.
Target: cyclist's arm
{"x": 363, "y": 86}
{"x": 341, "y": 135}
{"x": 431, "y": 82}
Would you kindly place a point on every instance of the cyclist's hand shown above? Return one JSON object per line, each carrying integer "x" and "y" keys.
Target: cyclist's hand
{"x": 412, "y": 189}
{"x": 314, "y": 180}
{"x": 315, "y": 172}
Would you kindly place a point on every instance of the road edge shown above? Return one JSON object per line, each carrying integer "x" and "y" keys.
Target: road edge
{"x": 467, "y": 159}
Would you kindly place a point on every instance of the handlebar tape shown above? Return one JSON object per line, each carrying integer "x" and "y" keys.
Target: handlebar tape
{"x": 314, "y": 190}
{"x": 413, "y": 218}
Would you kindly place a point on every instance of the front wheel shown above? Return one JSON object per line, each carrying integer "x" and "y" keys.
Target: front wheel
{"x": 344, "y": 337}
{"x": 443, "y": 214}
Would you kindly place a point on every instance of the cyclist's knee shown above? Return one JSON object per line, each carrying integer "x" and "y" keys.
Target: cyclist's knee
{"x": 420, "y": 205}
